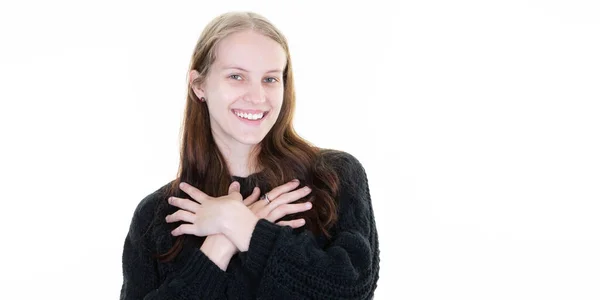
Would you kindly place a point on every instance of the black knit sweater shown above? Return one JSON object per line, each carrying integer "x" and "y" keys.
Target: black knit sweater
{"x": 281, "y": 263}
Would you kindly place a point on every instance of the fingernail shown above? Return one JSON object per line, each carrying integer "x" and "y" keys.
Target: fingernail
{"x": 308, "y": 204}
{"x": 182, "y": 185}
{"x": 302, "y": 221}
{"x": 295, "y": 180}
{"x": 306, "y": 188}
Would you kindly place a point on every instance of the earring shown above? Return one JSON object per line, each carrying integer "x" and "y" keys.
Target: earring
{"x": 202, "y": 99}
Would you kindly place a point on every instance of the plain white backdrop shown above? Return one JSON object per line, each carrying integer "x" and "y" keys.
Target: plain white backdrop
{"x": 477, "y": 122}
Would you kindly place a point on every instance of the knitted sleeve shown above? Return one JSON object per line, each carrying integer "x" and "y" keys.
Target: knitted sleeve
{"x": 293, "y": 266}
{"x": 199, "y": 278}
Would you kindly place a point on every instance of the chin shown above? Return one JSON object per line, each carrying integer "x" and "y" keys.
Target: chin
{"x": 250, "y": 140}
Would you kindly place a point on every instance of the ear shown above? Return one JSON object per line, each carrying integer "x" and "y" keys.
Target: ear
{"x": 197, "y": 84}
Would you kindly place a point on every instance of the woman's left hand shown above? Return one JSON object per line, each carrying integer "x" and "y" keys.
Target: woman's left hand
{"x": 279, "y": 204}
{"x": 206, "y": 215}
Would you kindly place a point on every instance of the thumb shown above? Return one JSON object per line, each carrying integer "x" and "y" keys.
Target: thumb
{"x": 234, "y": 187}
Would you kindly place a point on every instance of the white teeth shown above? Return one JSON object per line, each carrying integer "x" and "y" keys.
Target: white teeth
{"x": 250, "y": 116}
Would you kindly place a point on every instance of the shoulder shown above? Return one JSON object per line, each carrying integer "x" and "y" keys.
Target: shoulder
{"x": 353, "y": 181}
{"x": 146, "y": 210}
{"x": 354, "y": 196}
{"x": 347, "y": 166}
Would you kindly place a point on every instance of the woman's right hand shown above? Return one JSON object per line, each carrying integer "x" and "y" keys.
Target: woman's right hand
{"x": 279, "y": 204}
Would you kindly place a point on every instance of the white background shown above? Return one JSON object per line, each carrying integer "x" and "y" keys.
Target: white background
{"x": 477, "y": 122}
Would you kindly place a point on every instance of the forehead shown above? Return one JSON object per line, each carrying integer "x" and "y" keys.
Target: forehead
{"x": 251, "y": 51}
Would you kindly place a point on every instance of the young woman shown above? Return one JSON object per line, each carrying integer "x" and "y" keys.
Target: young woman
{"x": 209, "y": 234}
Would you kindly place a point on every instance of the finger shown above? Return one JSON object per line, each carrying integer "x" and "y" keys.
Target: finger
{"x": 253, "y": 197}
{"x": 181, "y": 215}
{"x": 258, "y": 208}
{"x": 293, "y": 195}
{"x": 293, "y": 223}
{"x": 278, "y": 191}
{"x": 234, "y": 187}
{"x": 193, "y": 192}
{"x": 183, "y": 229}
{"x": 186, "y": 204}
{"x": 288, "y": 209}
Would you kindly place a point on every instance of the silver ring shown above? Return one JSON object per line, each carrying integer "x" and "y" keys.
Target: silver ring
{"x": 267, "y": 199}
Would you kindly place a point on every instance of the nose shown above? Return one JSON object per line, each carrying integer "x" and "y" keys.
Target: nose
{"x": 256, "y": 93}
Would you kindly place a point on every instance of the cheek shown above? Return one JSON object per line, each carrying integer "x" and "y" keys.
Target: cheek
{"x": 276, "y": 97}
{"x": 227, "y": 94}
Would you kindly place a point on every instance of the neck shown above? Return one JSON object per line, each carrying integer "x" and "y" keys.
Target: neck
{"x": 240, "y": 158}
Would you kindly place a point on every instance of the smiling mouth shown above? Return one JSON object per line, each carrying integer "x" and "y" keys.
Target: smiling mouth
{"x": 250, "y": 116}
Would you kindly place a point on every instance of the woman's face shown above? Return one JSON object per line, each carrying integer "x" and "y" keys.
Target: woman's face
{"x": 244, "y": 88}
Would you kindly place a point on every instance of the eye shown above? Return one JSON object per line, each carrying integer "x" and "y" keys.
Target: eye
{"x": 271, "y": 80}
{"x": 235, "y": 77}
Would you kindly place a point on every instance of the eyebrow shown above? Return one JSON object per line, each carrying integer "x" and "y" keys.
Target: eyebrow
{"x": 244, "y": 70}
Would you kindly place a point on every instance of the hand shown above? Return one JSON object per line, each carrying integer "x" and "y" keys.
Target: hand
{"x": 206, "y": 215}
{"x": 279, "y": 203}
{"x": 219, "y": 245}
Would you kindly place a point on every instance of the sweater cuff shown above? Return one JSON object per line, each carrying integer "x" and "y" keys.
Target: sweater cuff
{"x": 261, "y": 245}
{"x": 200, "y": 276}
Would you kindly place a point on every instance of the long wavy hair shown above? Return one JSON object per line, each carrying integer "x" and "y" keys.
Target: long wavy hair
{"x": 283, "y": 155}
